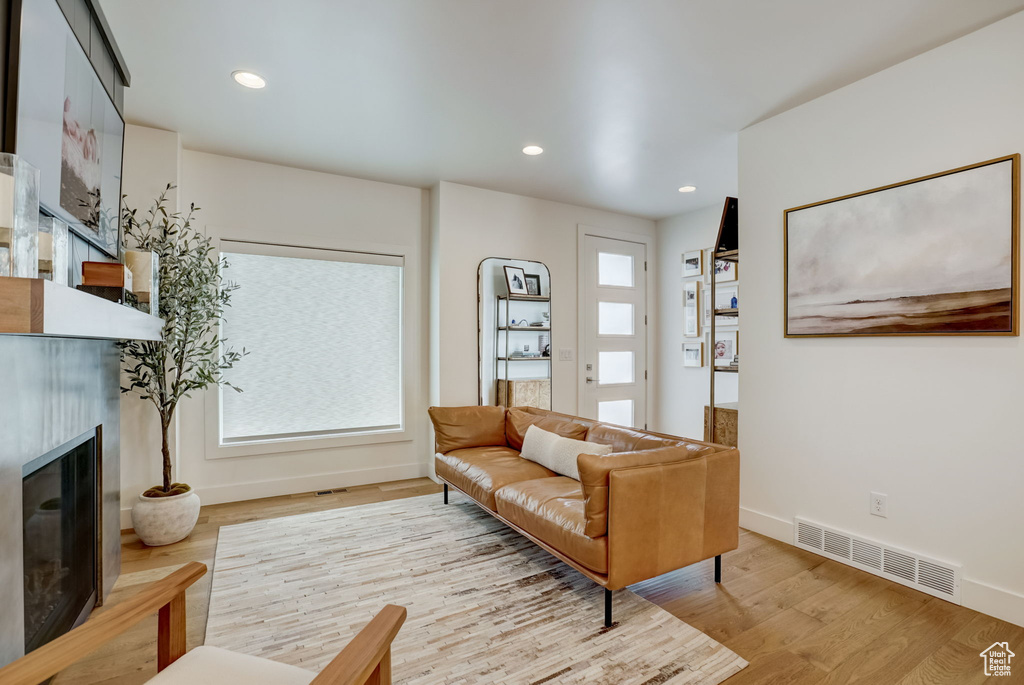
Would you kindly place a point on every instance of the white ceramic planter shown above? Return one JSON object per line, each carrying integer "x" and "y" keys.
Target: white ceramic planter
{"x": 164, "y": 520}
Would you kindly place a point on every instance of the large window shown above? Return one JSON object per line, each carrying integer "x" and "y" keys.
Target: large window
{"x": 323, "y": 330}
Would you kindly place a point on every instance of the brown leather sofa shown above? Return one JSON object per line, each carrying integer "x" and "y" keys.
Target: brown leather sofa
{"x": 655, "y": 504}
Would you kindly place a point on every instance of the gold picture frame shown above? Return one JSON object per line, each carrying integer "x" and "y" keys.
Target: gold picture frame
{"x": 934, "y": 219}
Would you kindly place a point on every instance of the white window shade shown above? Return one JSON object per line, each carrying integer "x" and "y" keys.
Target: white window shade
{"x": 324, "y": 334}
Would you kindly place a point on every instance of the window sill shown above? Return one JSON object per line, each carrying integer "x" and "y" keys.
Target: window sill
{"x": 275, "y": 446}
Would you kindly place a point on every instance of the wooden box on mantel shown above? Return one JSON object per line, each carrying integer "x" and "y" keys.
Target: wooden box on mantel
{"x": 110, "y": 274}
{"x": 532, "y": 392}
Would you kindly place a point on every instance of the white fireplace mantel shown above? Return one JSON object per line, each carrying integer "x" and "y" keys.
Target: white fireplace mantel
{"x": 35, "y": 306}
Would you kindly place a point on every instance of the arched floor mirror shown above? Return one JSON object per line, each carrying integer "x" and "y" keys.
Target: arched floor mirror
{"x": 514, "y": 328}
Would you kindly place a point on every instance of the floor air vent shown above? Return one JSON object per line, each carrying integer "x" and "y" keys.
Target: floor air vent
{"x": 936, "y": 578}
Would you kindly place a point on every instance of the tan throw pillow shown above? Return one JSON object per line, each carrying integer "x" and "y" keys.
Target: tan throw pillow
{"x": 518, "y": 421}
{"x": 558, "y": 453}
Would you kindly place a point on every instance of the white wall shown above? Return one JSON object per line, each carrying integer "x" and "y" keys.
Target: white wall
{"x": 473, "y": 224}
{"x": 934, "y": 422}
{"x": 262, "y": 202}
{"x": 682, "y": 392}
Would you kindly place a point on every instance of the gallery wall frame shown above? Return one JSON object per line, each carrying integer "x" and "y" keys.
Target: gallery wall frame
{"x": 693, "y": 263}
{"x": 940, "y": 256}
{"x": 691, "y": 309}
{"x": 693, "y": 354}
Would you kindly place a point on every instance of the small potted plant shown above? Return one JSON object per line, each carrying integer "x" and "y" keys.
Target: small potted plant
{"x": 189, "y": 357}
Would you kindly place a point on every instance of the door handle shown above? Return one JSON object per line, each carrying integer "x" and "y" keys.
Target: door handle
{"x": 589, "y": 379}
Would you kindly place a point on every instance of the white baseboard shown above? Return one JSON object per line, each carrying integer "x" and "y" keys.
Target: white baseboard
{"x": 239, "y": 492}
{"x": 1003, "y": 604}
{"x": 765, "y": 524}
{"x": 992, "y": 601}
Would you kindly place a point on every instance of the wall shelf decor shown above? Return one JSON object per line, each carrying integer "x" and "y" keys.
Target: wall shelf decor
{"x": 515, "y": 332}
{"x": 725, "y": 252}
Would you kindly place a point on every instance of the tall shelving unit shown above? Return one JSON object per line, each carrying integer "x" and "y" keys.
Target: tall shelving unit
{"x": 504, "y": 333}
{"x": 726, "y": 250}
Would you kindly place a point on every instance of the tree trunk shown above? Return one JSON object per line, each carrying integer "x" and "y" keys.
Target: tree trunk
{"x": 165, "y": 425}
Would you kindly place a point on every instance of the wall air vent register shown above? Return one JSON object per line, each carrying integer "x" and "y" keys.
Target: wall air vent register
{"x": 937, "y": 578}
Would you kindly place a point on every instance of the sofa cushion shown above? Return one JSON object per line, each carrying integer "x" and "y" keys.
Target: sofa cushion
{"x": 594, "y": 472}
{"x": 551, "y": 509}
{"x": 517, "y": 421}
{"x": 215, "y": 666}
{"x": 459, "y": 427}
{"x": 479, "y": 471}
{"x": 557, "y": 453}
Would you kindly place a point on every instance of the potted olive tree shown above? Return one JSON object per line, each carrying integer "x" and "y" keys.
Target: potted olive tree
{"x": 189, "y": 357}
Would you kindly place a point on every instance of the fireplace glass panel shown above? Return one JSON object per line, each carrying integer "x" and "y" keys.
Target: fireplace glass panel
{"x": 59, "y": 496}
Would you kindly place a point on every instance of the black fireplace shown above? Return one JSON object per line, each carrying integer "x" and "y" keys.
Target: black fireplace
{"x": 60, "y": 510}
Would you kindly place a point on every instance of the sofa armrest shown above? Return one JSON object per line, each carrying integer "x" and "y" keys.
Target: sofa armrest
{"x": 460, "y": 427}
{"x": 595, "y": 470}
{"x": 667, "y": 516}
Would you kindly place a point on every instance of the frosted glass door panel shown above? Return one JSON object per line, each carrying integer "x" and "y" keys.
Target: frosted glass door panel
{"x": 613, "y": 352}
{"x": 324, "y": 342}
{"x": 619, "y": 412}
{"x": 615, "y": 269}
{"x": 614, "y": 318}
{"x": 615, "y": 368}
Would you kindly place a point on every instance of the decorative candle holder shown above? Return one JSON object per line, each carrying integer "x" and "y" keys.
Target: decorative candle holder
{"x": 19, "y": 217}
{"x": 53, "y": 249}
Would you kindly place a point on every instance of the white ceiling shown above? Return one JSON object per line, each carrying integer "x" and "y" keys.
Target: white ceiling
{"x": 630, "y": 100}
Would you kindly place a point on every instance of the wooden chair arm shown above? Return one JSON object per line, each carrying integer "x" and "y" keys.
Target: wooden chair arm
{"x": 367, "y": 658}
{"x": 166, "y": 596}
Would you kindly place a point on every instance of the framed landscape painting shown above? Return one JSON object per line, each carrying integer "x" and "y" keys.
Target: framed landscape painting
{"x": 932, "y": 256}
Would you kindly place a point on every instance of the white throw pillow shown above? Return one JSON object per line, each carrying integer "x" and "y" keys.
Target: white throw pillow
{"x": 558, "y": 453}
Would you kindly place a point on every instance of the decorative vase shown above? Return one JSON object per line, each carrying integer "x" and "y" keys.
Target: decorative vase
{"x": 165, "y": 520}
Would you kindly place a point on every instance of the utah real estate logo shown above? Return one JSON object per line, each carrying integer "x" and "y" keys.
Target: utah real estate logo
{"x": 997, "y": 659}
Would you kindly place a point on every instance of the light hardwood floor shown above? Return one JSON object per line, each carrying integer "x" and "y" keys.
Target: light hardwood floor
{"x": 798, "y": 618}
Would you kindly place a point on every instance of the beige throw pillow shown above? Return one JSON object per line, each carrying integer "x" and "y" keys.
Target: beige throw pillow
{"x": 558, "y": 453}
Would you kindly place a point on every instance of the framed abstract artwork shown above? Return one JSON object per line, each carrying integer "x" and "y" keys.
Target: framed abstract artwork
{"x": 66, "y": 125}
{"x": 936, "y": 255}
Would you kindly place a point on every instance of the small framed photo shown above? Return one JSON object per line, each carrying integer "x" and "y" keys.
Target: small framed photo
{"x": 691, "y": 309}
{"x": 515, "y": 278}
{"x": 727, "y": 345}
{"x": 724, "y": 271}
{"x": 693, "y": 354}
{"x": 693, "y": 263}
{"x": 533, "y": 284}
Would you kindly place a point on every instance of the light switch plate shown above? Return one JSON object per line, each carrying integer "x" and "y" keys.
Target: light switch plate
{"x": 564, "y": 354}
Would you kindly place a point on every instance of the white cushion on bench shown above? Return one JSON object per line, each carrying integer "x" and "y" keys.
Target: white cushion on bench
{"x": 215, "y": 666}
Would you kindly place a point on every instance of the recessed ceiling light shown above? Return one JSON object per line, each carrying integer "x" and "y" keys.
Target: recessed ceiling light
{"x": 687, "y": 189}
{"x": 249, "y": 79}
{"x": 532, "y": 150}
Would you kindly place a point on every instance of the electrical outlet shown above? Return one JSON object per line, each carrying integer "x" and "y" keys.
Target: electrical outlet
{"x": 565, "y": 354}
{"x": 879, "y": 505}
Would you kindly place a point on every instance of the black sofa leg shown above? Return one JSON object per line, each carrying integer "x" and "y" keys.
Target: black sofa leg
{"x": 718, "y": 569}
{"x": 446, "y": 493}
{"x": 607, "y": 608}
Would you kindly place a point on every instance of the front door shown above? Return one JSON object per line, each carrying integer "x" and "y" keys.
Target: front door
{"x": 614, "y": 344}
